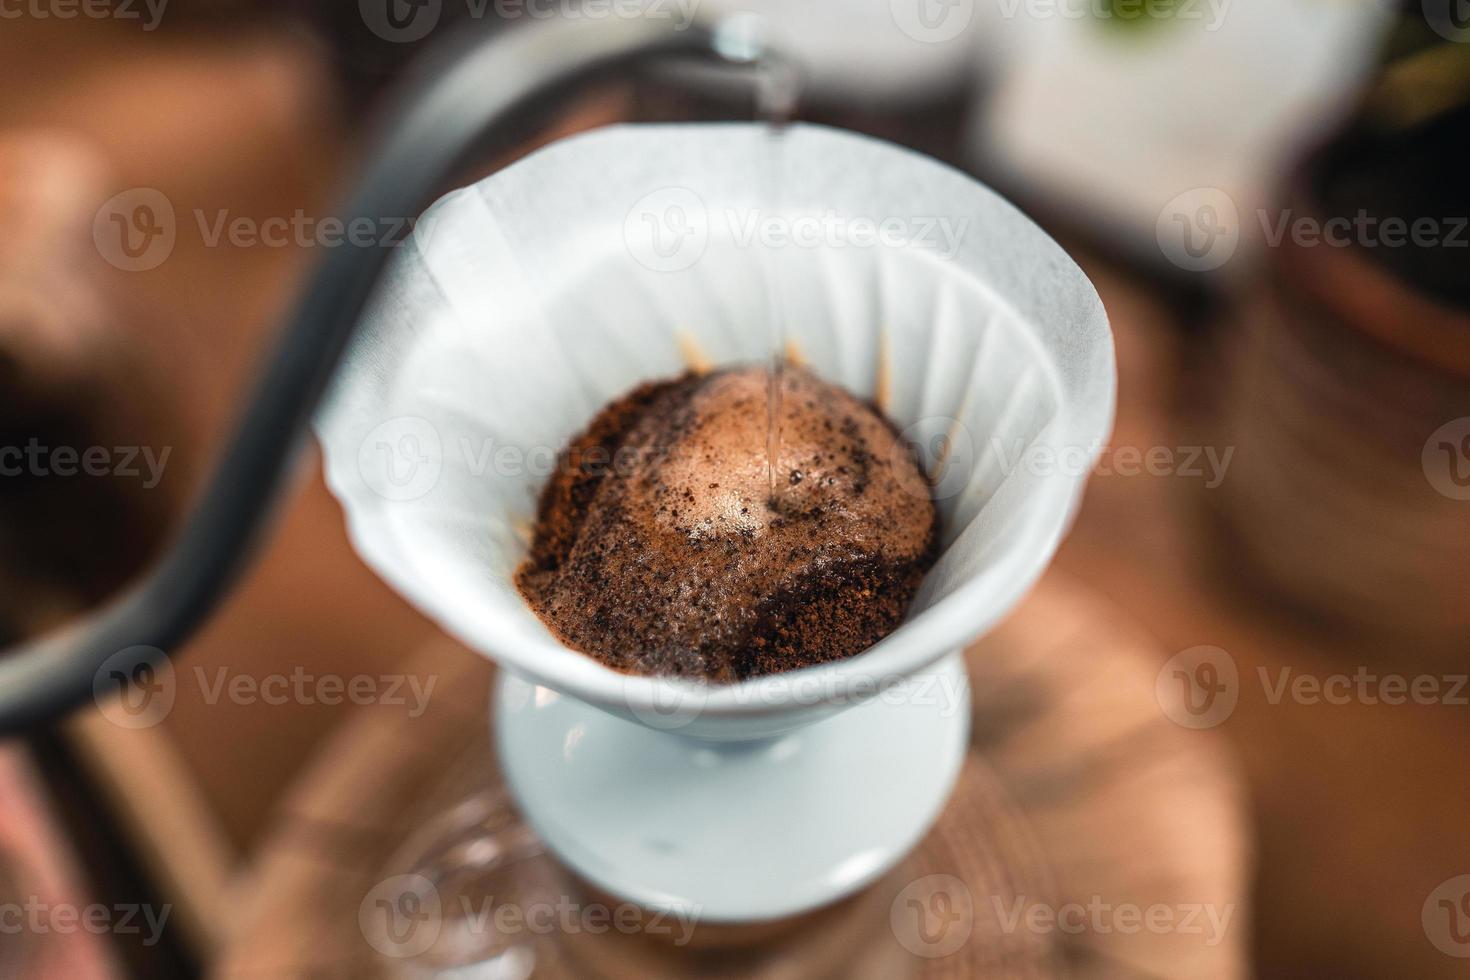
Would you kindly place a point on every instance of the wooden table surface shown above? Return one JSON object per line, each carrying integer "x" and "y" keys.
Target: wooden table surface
{"x": 1080, "y": 798}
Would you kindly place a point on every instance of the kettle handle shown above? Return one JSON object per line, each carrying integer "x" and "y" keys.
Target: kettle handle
{"x": 468, "y": 94}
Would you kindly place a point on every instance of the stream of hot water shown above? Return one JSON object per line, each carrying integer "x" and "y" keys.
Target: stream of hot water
{"x": 777, "y": 94}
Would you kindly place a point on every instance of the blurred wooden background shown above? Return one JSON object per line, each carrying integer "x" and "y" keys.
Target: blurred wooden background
{"x": 1355, "y": 810}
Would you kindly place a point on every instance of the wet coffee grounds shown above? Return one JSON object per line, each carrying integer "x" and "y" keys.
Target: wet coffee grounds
{"x": 668, "y": 543}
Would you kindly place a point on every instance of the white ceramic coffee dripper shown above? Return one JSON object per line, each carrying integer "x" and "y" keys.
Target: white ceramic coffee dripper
{"x": 527, "y": 301}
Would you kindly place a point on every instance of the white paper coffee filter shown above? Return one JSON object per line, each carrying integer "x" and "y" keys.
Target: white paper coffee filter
{"x": 526, "y": 302}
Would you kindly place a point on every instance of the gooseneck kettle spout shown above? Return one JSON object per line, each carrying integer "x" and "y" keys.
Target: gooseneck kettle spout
{"x": 470, "y": 98}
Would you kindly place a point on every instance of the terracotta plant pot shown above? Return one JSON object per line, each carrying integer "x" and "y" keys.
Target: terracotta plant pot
{"x": 1348, "y": 400}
